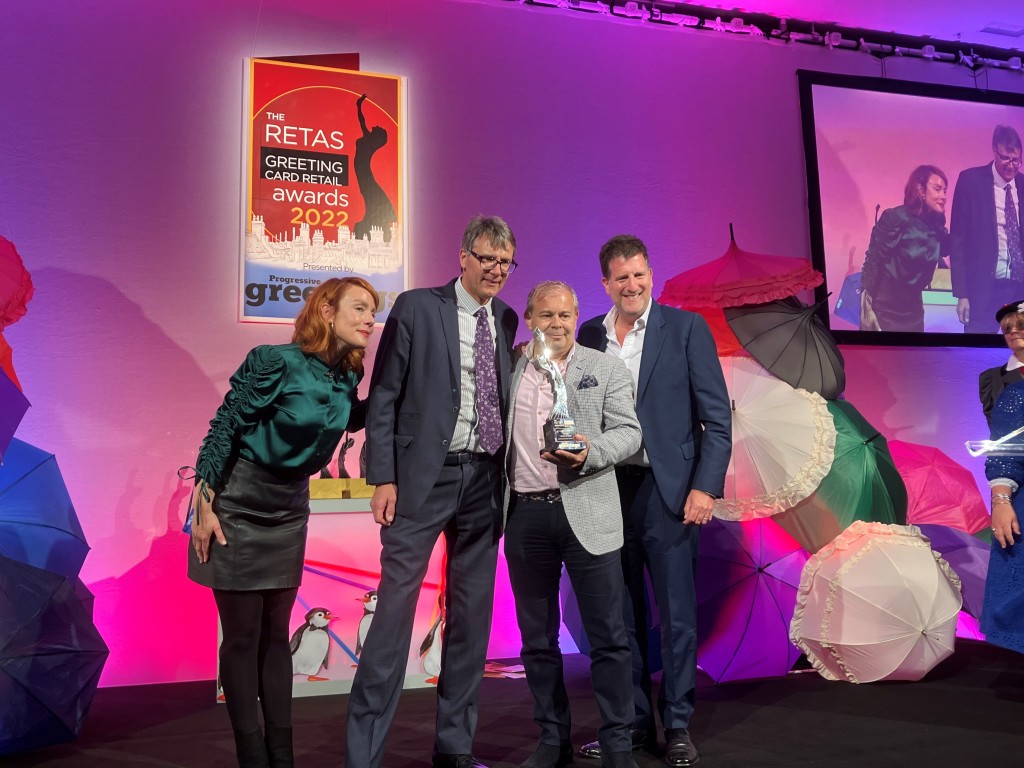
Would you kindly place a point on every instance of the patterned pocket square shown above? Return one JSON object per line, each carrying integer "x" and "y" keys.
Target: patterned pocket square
{"x": 588, "y": 381}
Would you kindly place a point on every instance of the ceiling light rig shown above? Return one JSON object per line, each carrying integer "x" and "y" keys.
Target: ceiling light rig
{"x": 833, "y": 37}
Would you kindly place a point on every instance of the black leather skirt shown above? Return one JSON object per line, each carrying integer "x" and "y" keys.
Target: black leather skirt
{"x": 264, "y": 519}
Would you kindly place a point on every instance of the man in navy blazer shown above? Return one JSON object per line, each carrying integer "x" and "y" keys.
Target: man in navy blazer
{"x": 667, "y": 489}
{"x": 435, "y": 446}
{"x": 986, "y": 245}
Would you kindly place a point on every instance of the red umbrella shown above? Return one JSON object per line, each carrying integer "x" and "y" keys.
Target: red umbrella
{"x": 939, "y": 491}
{"x": 740, "y": 277}
{"x": 15, "y": 284}
{"x": 725, "y": 340}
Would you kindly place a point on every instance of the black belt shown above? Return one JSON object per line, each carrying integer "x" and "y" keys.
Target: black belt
{"x": 466, "y": 457}
{"x": 546, "y": 497}
{"x": 634, "y": 469}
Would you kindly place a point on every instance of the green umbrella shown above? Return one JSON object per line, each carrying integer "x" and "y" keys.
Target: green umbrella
{"x": 863, "y": 484}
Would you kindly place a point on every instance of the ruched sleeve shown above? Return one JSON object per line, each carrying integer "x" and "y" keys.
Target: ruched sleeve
{"x": 990, "y": 386}
{"x": 903, "y": 251}
{"x": 885, "y": 238}
{"x": 253, "y": 388}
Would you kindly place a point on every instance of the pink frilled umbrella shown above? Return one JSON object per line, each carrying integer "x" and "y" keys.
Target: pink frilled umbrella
{"x": 876, "y": 604}
{"x": 747, "y": 578}
{"x": 740, "y": 277}
{"x": 15, "y": 284}
{"x": 939, "y": 491}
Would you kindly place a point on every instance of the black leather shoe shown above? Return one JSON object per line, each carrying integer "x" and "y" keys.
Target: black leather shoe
{"x": 641, "y": 738}
{"x": 441, "y": 760}
{"x": 679, "y": 750}
{"x": 549, "y": 756}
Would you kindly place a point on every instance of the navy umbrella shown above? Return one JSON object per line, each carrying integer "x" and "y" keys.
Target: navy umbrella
{"x": 13, "y": 405}
{"x": 38, "y": 524}
{"x": 51, "y": 657}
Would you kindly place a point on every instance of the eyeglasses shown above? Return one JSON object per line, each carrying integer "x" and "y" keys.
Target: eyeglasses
{"x": 1014, "y": 161}
{"x": 505, "y": 266}
{"x": 1012, "y": 329}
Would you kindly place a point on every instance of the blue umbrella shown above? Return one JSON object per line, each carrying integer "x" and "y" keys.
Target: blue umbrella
{"x": 13, "y": 405}
{"x": 38, "y": 524}
{"x": 51, "y": 657}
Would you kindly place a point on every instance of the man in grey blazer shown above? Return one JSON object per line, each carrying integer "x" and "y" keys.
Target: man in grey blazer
{"x": 435, "y": 446}
{"x": 563, "y": 508}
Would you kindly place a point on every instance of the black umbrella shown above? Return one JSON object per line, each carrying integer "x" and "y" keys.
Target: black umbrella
{"x": 51, "y": 657}
{"x": 789, "y": 339}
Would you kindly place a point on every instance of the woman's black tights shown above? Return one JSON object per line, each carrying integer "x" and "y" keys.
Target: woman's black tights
{"x": 255, "y": 661}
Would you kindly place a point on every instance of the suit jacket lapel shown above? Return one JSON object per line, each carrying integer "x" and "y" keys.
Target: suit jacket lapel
{"x": 1018, "y": 182}
{"x": 501, "y": 346}
{"x": 573, "y": 375}
{"x": 654, "y": 337}
{"x": 449, "y": 309}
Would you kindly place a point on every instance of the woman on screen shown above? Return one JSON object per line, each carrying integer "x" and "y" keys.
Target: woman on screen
{"x": 280, "y": 422}
{"x": 906, "y": 244}
{"x": 1002, "y": 398}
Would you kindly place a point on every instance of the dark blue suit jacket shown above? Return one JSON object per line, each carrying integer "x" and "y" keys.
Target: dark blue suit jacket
{"x": 415, "y": 391}
{"x": 681, "y": 401}
{"x": 973, "y": 241}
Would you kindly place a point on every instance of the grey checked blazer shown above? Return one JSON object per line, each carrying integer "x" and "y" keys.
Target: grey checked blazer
{"x": 604, "y": 414}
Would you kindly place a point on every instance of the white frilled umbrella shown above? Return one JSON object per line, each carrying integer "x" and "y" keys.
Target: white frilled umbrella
{"x": 783, "y": 443}
{"x": 876, "y": 604}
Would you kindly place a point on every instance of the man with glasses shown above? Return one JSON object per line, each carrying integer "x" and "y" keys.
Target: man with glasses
{"x": 435, "y": 442}
{"x": 986, "y": 248}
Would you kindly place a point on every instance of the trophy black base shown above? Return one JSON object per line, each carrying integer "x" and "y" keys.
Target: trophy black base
{"x": 560, "y": 435}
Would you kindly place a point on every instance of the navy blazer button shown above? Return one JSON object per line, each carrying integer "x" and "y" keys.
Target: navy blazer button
{"x": 455, "y": 409}
{"x": 444, "y": 442}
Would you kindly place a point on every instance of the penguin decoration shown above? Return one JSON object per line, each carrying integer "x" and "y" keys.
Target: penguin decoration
{"x": 430, "y": 650}
{"x": 369, "y": 601}
{"x": 310, "y": 644}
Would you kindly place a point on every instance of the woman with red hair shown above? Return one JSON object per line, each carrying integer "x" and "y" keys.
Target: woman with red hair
{"x": 280, "y": 422}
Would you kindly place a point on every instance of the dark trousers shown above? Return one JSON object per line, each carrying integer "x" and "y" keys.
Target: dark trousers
{"x": 985, "y": 304}
{"x": 255, "y": 660}
{"x": 538, "y": 540}
{"x": 657, "y": 539}
{"x": 463, "y": 506}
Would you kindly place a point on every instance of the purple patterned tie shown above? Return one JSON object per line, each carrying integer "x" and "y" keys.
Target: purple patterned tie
{"x": 1014, "y": 257}
{"x": 488, "y": 415}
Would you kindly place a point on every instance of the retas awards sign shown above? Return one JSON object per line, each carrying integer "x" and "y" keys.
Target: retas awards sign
{"x": 325, "y": 165}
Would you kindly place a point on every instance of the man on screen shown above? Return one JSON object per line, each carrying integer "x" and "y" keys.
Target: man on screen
{"x": 986, "y": 247}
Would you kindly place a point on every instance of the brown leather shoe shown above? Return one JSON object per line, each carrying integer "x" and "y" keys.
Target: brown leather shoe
{"x": 641, "y": 738}
{"x": 679, "y": 750}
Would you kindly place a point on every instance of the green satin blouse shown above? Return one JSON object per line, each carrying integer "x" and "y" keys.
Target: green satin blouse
{"x": 285, "y": 411}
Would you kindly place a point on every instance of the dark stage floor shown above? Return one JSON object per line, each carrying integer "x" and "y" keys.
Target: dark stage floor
{"x": 967, "y": 712}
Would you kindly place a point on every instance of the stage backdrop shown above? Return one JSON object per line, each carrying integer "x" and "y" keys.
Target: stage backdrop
{"x": 122, "y": 185}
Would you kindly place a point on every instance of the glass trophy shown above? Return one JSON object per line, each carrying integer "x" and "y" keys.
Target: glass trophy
{"x": 1011, "y": 444}
{"x": 560, "y": 428}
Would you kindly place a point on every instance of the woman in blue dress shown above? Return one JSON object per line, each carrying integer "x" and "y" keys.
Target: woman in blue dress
{"x": 1002, "y": 396}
